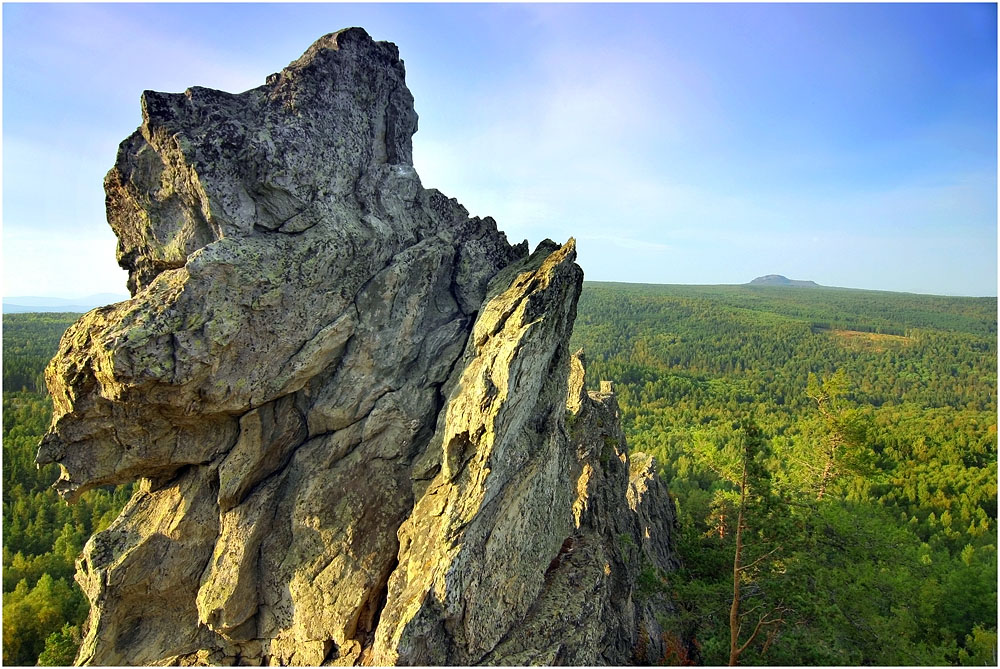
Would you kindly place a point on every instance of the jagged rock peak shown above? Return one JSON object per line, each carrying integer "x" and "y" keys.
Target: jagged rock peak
{"x": 328, "y": 133}
{"x": 349, "y": 406}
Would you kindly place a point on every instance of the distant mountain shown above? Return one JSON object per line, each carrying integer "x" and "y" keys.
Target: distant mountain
{"x": 778, "y": 280}
{"x": 32, "y": 303}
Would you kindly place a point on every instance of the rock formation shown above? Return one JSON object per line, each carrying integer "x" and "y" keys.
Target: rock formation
{"x": 358, "y": 434}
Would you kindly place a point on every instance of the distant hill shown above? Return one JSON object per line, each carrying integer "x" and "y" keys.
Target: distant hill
{"x": 36, "y": 304}
{"x": 778, "y": 280}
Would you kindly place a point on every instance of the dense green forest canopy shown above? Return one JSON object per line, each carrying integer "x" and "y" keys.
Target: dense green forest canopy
{"x": 29, "y": 342}
{"x": 43, "y": 607}
{"x": 871, "y": 536}
{"x": 870, "y": 515}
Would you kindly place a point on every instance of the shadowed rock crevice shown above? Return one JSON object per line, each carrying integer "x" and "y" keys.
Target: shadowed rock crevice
{"x": 346, "y": 401}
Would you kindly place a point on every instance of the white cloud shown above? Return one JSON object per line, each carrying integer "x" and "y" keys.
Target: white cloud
{"x": 44, "y": 263}
{"x": 124, "y": 51}
{"x": 567, "y": 149}
{"x": 601, "y": 134}
{"x": 32, "y": 167}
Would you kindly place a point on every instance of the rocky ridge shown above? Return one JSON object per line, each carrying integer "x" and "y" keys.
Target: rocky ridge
{"x": 358, "y": 434}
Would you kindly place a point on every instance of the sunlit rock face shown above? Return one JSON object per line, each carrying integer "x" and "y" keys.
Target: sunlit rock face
{"x": 348, "y": 404}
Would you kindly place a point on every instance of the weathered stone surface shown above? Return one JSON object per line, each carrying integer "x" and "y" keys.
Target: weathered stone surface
{"x": 592, "y": 609}
{"x": 350, "y": 405}
{"x": 474, "y": 551}
{"x": 141, "y": 574}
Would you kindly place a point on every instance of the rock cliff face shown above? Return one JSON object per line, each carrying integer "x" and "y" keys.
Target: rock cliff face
{"x": 358, "y": 432}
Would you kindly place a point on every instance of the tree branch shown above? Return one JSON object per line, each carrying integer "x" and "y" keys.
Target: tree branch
{"x": 764, "y": 621}
{"x": 762, "y": 557}
{"x": 747, "y": 613}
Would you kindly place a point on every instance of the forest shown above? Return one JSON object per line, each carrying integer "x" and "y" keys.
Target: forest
{"x": 43, "y": 607}
{"x": 832, "y": 455}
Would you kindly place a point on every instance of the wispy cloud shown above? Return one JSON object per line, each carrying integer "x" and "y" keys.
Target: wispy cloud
{"x": 567, "y": 148}
{"x": 710, "y": 136}
{"x": 38, "y": 262}
{"x": 108, "y": 35}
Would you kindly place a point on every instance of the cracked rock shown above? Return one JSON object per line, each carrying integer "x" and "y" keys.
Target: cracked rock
{"x": 345, "y": 400}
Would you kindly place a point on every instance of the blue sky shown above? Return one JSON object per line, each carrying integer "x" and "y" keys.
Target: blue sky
{"x": 854, "y": 145}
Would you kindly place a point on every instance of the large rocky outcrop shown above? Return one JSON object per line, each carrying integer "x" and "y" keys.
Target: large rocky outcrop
{"x": 349, "y": 405}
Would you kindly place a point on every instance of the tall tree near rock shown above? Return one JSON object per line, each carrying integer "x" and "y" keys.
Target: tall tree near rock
{"x": 754, "y": 488}
{"x": 745, "y": 513}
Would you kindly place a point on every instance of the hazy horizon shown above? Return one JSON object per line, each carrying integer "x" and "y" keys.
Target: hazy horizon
{"x": 851, "y": 145}
{"x": 69, "y": 299}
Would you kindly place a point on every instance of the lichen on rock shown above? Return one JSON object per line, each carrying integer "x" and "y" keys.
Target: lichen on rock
{"x": 345, "y": 400}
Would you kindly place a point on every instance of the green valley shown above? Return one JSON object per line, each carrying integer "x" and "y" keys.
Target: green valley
{"x": 847, "y": 438}
{"x": 869, "y": 532}
{"x": 43, "y": 608}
